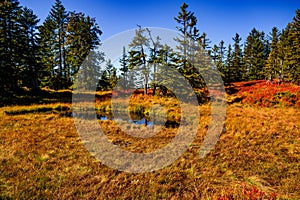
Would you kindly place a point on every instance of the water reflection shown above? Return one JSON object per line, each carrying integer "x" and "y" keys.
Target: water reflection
{"x": 135, "y": 119}
{"x": 140, "y": 121}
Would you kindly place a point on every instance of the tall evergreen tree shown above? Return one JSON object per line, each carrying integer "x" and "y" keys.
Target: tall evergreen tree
{"x": 187, "y": 21}
{"x": 138, "y": 56}
{"x": 205, "y": 43}
{"x": 294, "y": 60}
{"x": 215, "y": 53}
{"x": 272, "y": 63}
{"x": 154, "y": 58}
{"x": 220, "y": 60}
{"x": 10, "y": 52}
{"x": 46, "y": 41}
{"x": 228, "y": 65}
{"x": 30, "y": 69}
{"x": 55, "y": 52}
{"x": 190, "y": 43}
{"x": 59, "y": 15}
{"x": 236, "y": 69}
{"x": 82, "y": 37}
{"x": 66, "y": 38}
{"x": 124, "y": 68}
{"x": 284, "y": 52}
{"x": 254, "y": 56}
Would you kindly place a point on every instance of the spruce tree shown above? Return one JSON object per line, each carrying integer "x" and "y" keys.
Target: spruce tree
{"x": 54, "y": 42}
{"x": 228, "y": 65}
{"x": 138, "y": 56}
{"x": 294, "y": 60}
{"x": 255, "y": 55}
{"x": 272, "y": 63}
{"x": 236, "y": 68}
{"x": 66, "y": 38}
{"x": 124, "y": 68}
{"x": 47, "y": 54}
{"x": 30, "y": 69}
{"x": 10, "y": 49}
{"x": 190, "y": 44}
{"x": 82, "y": 37}
{"x": 220, "y": 61}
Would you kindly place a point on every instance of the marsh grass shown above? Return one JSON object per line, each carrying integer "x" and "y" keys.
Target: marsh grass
{"x": 257, "y": 157}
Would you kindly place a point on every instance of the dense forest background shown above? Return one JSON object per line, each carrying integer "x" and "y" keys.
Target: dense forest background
{"x": 49, "y": 55}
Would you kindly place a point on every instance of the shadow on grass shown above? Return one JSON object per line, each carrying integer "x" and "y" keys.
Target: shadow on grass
{"x": 44, "y": 96}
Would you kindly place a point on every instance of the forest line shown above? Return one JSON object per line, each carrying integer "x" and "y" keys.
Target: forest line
{"x": 50, "y": 55}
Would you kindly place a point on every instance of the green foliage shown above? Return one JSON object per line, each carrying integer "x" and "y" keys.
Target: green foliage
{"x": 236, "y": 69}
{"x": 68, "y": 38}
{"x": 190, "y": 46}
{"x": 10, "y": 52}
{"x": 51, "y": 55}
{"x": 254, "y": 58}
{"x": 138, "y": 61}
{"x": 272, "y": 64}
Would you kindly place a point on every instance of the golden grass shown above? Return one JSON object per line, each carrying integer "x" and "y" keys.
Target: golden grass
{"x": 258, "y": 156}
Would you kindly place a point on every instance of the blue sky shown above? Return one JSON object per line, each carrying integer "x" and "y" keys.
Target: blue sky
{"x": 220, "y": 19}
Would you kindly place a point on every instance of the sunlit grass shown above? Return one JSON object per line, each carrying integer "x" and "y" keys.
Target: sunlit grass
{"x": 258, "y": 156}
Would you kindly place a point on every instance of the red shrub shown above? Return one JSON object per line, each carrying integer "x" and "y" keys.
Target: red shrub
{"x": 266, "y": 94}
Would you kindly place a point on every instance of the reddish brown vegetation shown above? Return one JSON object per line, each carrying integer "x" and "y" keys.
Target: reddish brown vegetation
{"x": 266, "y": 94}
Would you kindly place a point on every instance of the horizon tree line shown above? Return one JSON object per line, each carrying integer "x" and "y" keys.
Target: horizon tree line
{"x": 50, "y": 55}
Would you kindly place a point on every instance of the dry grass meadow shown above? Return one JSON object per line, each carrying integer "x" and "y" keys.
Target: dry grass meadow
{"x": 256, "y": 157}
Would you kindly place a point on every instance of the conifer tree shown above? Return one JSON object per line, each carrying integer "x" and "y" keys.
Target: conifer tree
{"x": 138, "y": 56}
{"x": 254, "y": 56}
{"x": 220, "y": 61}
{"x": 124, "y": 68}
{"x": 190, "y": 44}
{"x": 82, "y": 37}
{"x": 53, "y": 42}
{"x": 10, "y": 51}
{"x": 30, "y": 69}
{"x": 66, "y": 38}
{"x": 228, "y": 65}
{"x": 272, "y": 63}
{"x": 294, "y": 61}
{"x": 236, "y": 69}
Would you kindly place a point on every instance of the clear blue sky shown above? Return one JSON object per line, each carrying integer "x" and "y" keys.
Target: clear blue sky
{"x": 220, "y": 19}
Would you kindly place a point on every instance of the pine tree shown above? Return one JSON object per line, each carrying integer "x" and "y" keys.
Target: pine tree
{"x": 294, "y": 60}
{"x": 138, "y": 57}
{"x": 54, "y": 56}
{"x": 288, "y": 54}
{"x": 190, "y": 44}
{"x": 89, "y": 77}
{"x": 46, "y": 41}
{"x": 254, "y": 56}
{"x": 187, "y": 29}
{"x": 228, "y": 65}
{"x": 124, "y": 68}
{"x": 59, "y": 15}
{"x": 284, "y": 52}
{"x": 82, "y": 37}
{"x": 10, "y": 52}
{"x": 236, "y": 69}
{"x": 205, "y": 43}
{"x": 66, "y": 38}
{"x": 154, "y": 60}
{"x": 215, "y": 53}
{"x": 272, "y": 63}
{"x": 52, "y": 40}
{"x": 104, "y": 82}
{"x": 220, "y": 60}
{"x": 30, "y": 69}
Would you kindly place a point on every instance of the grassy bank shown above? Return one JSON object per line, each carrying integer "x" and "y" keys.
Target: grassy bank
{"x": 258, "y": 156}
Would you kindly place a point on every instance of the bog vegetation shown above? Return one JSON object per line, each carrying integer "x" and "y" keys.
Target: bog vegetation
{"x": 42, "y": 156}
